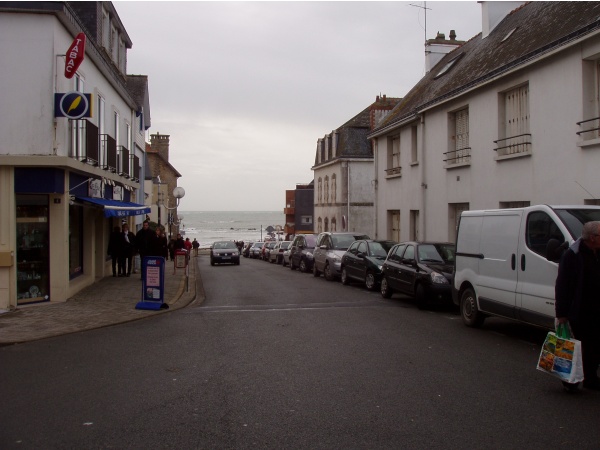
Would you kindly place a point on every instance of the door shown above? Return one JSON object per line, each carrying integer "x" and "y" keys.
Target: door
{"x": 497, "y": 282}
{"x": 360, "y": 266}
{"x": 537, "y": 275}
{"x": 408, "y": 270}
{"x": 392, "y": 266}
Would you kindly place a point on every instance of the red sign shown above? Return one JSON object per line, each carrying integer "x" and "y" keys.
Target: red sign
{"x": 75, "y": 55}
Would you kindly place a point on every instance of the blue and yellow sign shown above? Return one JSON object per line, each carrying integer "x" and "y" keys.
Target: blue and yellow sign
{"x": 72, "y": 105}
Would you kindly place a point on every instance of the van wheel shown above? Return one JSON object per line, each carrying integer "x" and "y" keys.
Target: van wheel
{"x": 421, "y": 297}
{"x": 386, "y": 290}
{"x": 471, "y": 316}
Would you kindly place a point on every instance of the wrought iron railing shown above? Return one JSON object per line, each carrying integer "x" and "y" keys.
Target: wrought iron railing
{"x": 591, "y": 126}
{"x": 513, "y": 145}
{"x": 458, "y": 156}
{"x": 394, "y": 171}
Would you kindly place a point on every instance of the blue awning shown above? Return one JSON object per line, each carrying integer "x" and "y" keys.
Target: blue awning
{"x": 114, "y": 208}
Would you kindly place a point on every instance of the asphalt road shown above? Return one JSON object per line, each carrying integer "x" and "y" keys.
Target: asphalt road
{"x": 278, "y": 359}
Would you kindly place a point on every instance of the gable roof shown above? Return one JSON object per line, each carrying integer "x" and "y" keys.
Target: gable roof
{"x": 539, "y": 28}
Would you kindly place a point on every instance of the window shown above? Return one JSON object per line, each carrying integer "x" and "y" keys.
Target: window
{"x": 454, "y": 212}
{"x": 409, "y": 253}
{"x": 129, "y": 144}
{"x": 515, "y": 137}
{"x": 413, "y": 143}
{"x": 114, "y": 44}
{"x": 504, "y": 205}
{"x": 459, "y": 150}
{"x": 319, "y": 225}
{"x": 320, "y": 191}
{"x": 333, "y": 225}
{"x": 394, "y": 225}
{"x": 333, "y": 188}
{"x": 540, "y": 229}
{"x": 414, "y": 225}
{"x": 101, "y": 131}
{"x": 397, "y": 252}
{"x": 122, "y": 56}
{"x": 106, "y": 30}
{"x": 116, "y": 124}
{"x": 589, "y": 127}
{"x": 327, "y": 189}
{"x": 326, "y": 224}
{"x": 306, "y": 220}
{"x": 393, "y": 162}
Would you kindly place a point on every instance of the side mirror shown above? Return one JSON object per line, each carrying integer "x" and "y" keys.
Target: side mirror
{"x": 554, "y": 250}
{"x": 360, "y": 255}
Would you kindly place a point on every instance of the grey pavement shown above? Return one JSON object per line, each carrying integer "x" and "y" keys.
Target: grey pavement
{"x": 110, "y": 301}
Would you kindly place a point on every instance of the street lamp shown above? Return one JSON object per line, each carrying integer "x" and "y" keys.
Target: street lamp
{"x": 178, "y": 193}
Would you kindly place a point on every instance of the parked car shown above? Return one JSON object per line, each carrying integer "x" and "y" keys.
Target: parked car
{"x": 329, "y": 250}
{"x": 246, "y": 249}
{"x": 256, "y": 250}
{"x": 224, "y": 252}
{"x": 266, "y": 251}
{"x": 276, "y": 254}
{"x": 301, "y": 252}
{"x": 421, "y": 269}
{"x": 286, "y": 255}
{"x": 363, "y": 262}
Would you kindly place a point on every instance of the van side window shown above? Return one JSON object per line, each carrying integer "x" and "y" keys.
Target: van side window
{"x": 540, "y": 229}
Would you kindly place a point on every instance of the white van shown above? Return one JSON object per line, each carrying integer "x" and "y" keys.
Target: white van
{"x": 504, "y": 265}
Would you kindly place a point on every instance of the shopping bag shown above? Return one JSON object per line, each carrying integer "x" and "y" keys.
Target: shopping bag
{"x": 561, "y": 356}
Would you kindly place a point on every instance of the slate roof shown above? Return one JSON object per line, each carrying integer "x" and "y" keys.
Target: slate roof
{"x": 540, "y": 27}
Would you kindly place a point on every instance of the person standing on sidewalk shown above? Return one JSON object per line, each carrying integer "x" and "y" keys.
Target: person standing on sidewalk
{"x": 195, "y": 246}
{"x": 114, "y": 249}
{"x": 577, "y": 294}
{"x": 144, "y": 242}
{"x": 128, "y": 250}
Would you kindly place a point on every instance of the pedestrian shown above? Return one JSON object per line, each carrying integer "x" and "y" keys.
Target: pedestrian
{"x": 577, "y": 302}
{"x": 179, "y": 243}
{"x": 113, "y": 248}
{"x": 195, "y": 246}
{"x": 160, "y": 244}
{"x": 127, "y": 251}
{"x": 144, "y": 242}
{"x": 171, "y": 248}
{"x": 188, "y": 245}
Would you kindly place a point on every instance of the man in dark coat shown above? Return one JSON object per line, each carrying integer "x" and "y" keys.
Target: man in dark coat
{"x": 114, "y": 249}
{"x": 127, "y": 250}
{"x": 577, "y": 294}
{"x": 144, "y": 242}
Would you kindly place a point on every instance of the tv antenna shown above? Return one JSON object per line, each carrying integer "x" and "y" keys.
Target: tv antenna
{"x": 424, "y": 8}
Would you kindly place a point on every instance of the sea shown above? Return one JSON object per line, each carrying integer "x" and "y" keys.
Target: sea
{"x": 210, "y": 226}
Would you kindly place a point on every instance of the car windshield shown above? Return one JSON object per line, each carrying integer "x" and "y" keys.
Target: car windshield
{"x": 285, "y": 245}
{"x": 437, "y": 253}
{"x": 343, "y": 241}
{"x": 258, "y": 244}
{"x": 224, "y": 244}
{"x": 575, "y": 218}
{"x": 380, "y": 249}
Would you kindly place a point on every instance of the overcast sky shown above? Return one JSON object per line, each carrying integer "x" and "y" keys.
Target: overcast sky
{"x": 245, "y": 89}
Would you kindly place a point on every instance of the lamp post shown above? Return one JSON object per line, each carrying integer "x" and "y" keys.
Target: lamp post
{"x": 178, "y": 193}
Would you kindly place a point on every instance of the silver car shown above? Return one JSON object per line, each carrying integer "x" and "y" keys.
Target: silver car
{"x": 328, "y": 253}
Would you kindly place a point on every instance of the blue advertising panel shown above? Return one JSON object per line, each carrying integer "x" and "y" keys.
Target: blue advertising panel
{"x": 153, "y": 286}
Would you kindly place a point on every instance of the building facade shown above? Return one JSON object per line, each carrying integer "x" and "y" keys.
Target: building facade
{"x": 509, "y": 118}
{"x": 299, "y": 210}
{"x": 71, "y": 153}
{"x": 343, "y": 173}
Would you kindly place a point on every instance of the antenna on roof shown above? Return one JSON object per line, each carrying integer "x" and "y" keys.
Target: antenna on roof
{"x": 424, "y": 8}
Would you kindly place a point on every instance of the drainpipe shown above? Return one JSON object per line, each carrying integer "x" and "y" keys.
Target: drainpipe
{"x": 376, "y": 182}
{"x": 423, "y": 236}
{"x": 348, "y": 220}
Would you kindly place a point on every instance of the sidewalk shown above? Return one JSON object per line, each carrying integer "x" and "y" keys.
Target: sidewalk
{"x": 108, "y": 302}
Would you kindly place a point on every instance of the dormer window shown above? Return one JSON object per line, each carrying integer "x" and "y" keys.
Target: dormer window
{"x": 448, "y": 65}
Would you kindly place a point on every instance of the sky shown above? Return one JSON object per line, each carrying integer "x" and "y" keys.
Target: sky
{"x": 245, "y": 89}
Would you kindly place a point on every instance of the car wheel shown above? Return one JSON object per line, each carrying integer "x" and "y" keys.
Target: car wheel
{"x": 471, "y": 316}
{"x": 327, "y": 272}
{"x": 316, "y": 273}
{"x": 212, "y": 263}
{"x": 303, "y": 267}
{"x": 420, "y": 297}
{"x": 345, "y": 279}
{"x": 370, "y": 282}
{"x": 385, "y": 289}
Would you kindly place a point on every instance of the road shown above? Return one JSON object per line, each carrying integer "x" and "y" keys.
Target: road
{"x": 274, "y": 358}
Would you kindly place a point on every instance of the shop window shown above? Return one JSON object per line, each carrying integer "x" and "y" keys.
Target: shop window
{"x": 33, "y": 265}
{"x": 75, "y": 241}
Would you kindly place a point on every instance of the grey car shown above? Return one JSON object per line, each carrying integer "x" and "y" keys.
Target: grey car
{"x": 329, "y": 250}
{"x": 224, "y": 252}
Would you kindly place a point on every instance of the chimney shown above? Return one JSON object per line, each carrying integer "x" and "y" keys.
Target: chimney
{"x": 492, "y": 13}
{"x": 436, "y": 49}
{"x": 160, "y": 144}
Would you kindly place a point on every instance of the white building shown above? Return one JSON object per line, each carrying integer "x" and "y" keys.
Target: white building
{"x": 60, "y": 177}
{"x": 343, "y": 173}
{"x": 509, "y": 118}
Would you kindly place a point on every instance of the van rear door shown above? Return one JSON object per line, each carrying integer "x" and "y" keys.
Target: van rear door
{"x": 497, "y": 283}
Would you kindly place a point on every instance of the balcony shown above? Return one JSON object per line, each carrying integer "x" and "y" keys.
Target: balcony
{"x": 393, "y": 172}
{"x": 108, "y": 148}
{"x": 84, "y": 142}
{"x": 458, "y": 157}
{"x": 123, "y": 161}
{"x": 514, "y": 146}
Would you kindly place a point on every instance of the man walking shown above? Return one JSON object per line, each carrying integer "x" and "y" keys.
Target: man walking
{"x": 577, "y": 294}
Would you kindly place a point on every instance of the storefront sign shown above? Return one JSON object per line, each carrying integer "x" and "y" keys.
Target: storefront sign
{"x": 75, "y": 55}
{"x": 72, "y": 105}
{"x": 95, "y": 189}
{"x": 118, "y": 193}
